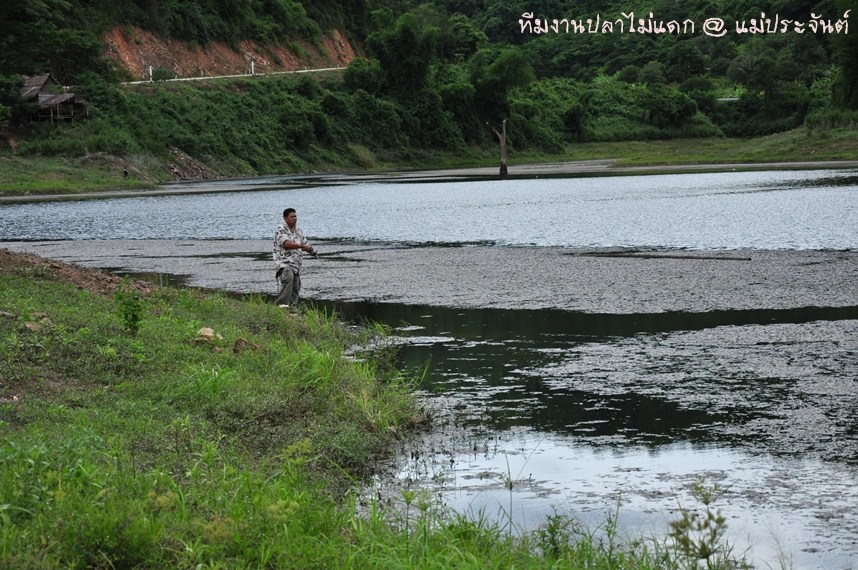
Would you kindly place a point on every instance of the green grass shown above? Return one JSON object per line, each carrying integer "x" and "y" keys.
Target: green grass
{"x": 40, "y": 175}
{"x": 158, "y": 448}
{"x": 799, "y": 145}
{"x": 43, "y": 175}
{"x": 130, "y": 441}
{"x": 793, "y": 146}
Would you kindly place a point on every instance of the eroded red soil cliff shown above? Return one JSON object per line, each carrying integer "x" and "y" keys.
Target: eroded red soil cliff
{"x": 136, "y": 50}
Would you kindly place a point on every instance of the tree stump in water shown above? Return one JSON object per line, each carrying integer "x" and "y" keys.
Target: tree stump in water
{"x": 502, "y": 140}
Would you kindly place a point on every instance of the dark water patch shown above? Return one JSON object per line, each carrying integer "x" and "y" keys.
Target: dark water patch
{"x": 586, "y": 416}
{"x": 775, "y": 380}
{"x": 551, "y": 326}
{"x": 650, "y": 255}
{"x": 820, "y": 182}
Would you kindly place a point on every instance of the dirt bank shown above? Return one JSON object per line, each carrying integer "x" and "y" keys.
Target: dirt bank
{"x": 136, "y": 50}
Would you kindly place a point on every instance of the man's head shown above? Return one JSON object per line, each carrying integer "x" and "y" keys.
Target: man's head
{"x": 290, "y": 217}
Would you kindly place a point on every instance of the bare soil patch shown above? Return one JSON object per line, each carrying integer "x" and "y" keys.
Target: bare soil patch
{"x": 93, "y": 280}
{"x": 136, "y": 50}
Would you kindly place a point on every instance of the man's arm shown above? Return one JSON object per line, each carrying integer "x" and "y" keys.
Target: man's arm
{"x": 288, "y": 244}
{"x": 295, "y": 245}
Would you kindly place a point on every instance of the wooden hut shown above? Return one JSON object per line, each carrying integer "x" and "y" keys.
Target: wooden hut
{"x": 53, "y": 101}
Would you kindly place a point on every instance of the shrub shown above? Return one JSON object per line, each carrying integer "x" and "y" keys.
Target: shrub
{"x": 832, "y": 119}
{"x": 667, "y": 107}
{"x": 130, "y": 306}
{"x": 161, "y": 74}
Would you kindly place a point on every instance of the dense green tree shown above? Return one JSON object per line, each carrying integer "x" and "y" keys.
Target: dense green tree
{"x": 801, "y": 9}
{"x": 629, "y": 74}
{"x": 405, "y": 52}
{"x": 846, "y": 45}
{"x": 364, "y": 74}
{"x": 460, "y": 38}
{"x": 754, "y": 67}
{"x": 13, "y": 110}
{"x": 666, "y": 106}
{"x": 380, "y": 121}
{"x": 653, "y": 73}
{"x": 700, "y": 89}
{"x": 470, "y": 8}
{"x": 546, "y": 113}
{"x": 500, "y": 21}
{"x": 493, "y": 75}
{"x": 453, "y": 84}
{"x": 38, "y": 36}
{"x": 684, "y": 60}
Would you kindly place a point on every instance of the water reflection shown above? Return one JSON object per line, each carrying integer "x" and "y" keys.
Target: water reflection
{"x": 779, "y": 380}
{"x": 582, "y": 413}
{"x": 554, "y": 327}
{"x": 798, "y": 512}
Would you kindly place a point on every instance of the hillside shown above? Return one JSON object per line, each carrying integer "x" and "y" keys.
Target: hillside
{"x": 421, "y": 81}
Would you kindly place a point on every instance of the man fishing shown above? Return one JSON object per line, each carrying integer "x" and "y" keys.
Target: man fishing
{"x": 289, "y": 247}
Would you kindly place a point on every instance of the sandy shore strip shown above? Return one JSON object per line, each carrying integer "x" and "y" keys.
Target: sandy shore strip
{"x": 617, "y": 281}
{"x": 602, "y": 167}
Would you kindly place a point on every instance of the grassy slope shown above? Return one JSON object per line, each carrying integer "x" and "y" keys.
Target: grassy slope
{"x": 159, "y": 449}
{"x": 794, "y": 146}
{"x": 38, "y": 175}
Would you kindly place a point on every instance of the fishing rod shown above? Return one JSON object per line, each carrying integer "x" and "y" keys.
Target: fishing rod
{"x": 316, "y": 256}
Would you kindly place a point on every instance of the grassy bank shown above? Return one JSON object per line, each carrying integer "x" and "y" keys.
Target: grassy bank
{"x": 58, "y": 175}
{"x": 132, "y": 437}
{"x": 799, "y": 145}
{"x": 49, "y": 175}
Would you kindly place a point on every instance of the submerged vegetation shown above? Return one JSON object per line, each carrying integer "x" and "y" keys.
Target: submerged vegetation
{"x": 152, "y": 427}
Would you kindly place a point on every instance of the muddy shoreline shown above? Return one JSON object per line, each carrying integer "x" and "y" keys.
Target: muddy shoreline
{"x": 597, "y": 280}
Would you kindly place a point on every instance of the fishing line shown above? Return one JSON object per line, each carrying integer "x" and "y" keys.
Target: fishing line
{"x": 316, "y": 256}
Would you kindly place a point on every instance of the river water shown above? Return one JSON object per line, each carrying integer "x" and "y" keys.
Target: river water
{"x": 721, "y": 346}
{"x": 763, "y": 210}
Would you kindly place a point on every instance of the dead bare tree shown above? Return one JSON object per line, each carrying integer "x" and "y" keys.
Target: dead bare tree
{"x": 502, "y": 140}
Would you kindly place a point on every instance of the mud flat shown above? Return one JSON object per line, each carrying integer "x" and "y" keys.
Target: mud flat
{"x": 485, "y": 276}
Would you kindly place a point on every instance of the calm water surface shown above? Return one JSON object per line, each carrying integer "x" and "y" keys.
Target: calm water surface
{"x": 763, "y": 210}
{"x": 586, "y": 412}
{"x": 583, "y": 410}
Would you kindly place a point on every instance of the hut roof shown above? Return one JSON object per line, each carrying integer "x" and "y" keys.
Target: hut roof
{"x": 33, "y": 85}
{"x": 54, "y": 100}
